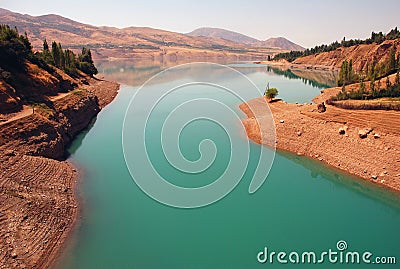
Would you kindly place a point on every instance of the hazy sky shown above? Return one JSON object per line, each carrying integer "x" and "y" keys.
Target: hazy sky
{"x": 307, "y": 23}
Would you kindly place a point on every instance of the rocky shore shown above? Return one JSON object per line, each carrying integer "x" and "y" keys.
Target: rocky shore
{"x": 38, "y": 207}
{"x": 361, "y": 142}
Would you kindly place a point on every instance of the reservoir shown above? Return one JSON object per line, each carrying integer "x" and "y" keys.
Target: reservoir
{"x": 303, "y": 205}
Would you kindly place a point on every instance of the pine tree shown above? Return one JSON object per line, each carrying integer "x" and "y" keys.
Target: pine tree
{"x": 388, "y": 84}
{"x": 55, "y": 53}
{"x": 46, "y": 55}
{"x": 372, "y": 85}
{"x": 70, "y": 62}
{"x": 372, "y": 71}
{"x": 45, "y": 46}
{"x": 350, "y": 70}
{"x": 86, "y": 62}
{"x": 392, "y": 60}
{"x": 398, "y": 61}
{"x": 344, "y": 69}
{"x": 15, "y": 49}
{"x": 362, "y": 87}
{"x": 374, "y": 89}
{"x": 62, "y": 56}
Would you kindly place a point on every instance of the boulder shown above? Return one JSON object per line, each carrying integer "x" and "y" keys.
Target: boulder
{"x": 363, "y": 133}
{"x": 321, "y": 107}
{"x": 343, "y": 130}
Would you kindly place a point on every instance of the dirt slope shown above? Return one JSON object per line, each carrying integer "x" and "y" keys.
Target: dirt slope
{"x": 302, "y": 130}
{"x": 360, "y": 54}
{"x": 38, "y": 207}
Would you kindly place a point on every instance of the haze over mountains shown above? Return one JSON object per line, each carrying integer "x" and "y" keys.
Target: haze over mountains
{"x": 142, "y": 42}
{"x": 278, "y": 42}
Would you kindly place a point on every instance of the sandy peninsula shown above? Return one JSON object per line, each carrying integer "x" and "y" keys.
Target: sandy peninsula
{"x": 333, "y": 137}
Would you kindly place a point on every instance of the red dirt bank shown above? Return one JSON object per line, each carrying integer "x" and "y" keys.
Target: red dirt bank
{"x": 37, "y": 204}
{"x": 306, "y": 132}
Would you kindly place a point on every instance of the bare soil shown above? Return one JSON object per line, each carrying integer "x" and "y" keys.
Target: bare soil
{"x": 38, "y": 207}
{"x": 301, "y": 129}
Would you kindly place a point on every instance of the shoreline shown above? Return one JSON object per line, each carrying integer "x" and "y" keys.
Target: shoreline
{"x": 306, "y": 132}
{"x": 39, "y": 200}
{"x": 297, "y": 66}
{"x": 105, "y": 97}
{"x": 68, "y": 240}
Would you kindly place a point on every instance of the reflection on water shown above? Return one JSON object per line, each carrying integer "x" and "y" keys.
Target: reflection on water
{"x": 341, "y": 179}
{"x": 136, "y": 72}
{"x": 315, "y": 78}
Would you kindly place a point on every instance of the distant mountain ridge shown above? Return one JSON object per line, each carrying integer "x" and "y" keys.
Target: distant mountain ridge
{"x": 278, "y": 42}
{"x": 225, "y": 34}
{"x": 130, "y": 42}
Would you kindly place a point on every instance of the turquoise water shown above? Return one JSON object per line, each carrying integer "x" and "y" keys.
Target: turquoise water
{"x": 302, "y": 206}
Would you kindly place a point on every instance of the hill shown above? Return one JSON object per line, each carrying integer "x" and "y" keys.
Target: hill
{"x": 224, "y": 34}
{"x": 279, "y": 42}
{"x": 27, "y": 77}
{"x": 42, "y": 108}
{"x": 130, "y": 42}
{"x": 361, "y": 55}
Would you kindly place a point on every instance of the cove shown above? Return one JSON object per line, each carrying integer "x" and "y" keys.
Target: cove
{"x": 303, "y": 205}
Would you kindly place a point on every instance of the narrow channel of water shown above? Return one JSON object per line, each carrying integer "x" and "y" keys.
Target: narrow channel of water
{"x": 302, "y": 206}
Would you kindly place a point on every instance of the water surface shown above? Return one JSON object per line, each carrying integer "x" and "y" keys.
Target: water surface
{"x": 302, "y": 206}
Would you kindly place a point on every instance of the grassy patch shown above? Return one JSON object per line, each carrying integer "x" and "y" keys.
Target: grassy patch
{"x": 374, "y": 104}
{"x": 79, "y": 92}
{"x": 43, "y": 110}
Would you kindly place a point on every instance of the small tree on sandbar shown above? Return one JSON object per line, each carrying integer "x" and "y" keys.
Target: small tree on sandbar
{"x": 270, "y": 93}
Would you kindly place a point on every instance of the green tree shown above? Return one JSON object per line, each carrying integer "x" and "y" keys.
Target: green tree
{"x": 55, "y": 53}
{"x": 398, "y": 61}
{"x": 362, "y": 87}
{"x": 15, "y": 49}
{"x": 397, "y": 79}
{"x": 372, "y": 85}
{"x": 371, "y": 71}
{"x": 58, "y": 55}
{"x": 86, "y": 64}
{"x": 388, "y": 84}
{"x": 346, "y": 74}
{"x": 271, "y": 93}
{"x": 378, "y": 87}
{"x": 70, "y": 62}
{"x": 46, "y": 54}
{"x": 374, "y": 90}
{"x": 350, "y": 70}
{"x": 62, "y": 56}
{"x": 392, "y": 64}
{"x": 344, "y": 70}
{"x": 45, "y": 46}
